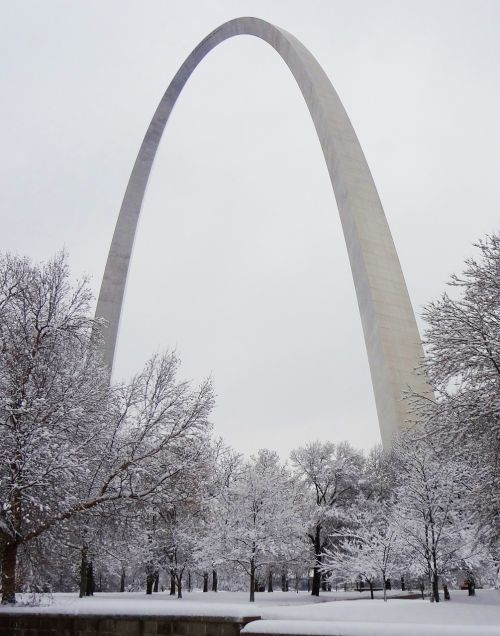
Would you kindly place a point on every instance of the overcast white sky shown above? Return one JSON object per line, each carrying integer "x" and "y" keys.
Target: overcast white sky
{"x": 240, "y": 263}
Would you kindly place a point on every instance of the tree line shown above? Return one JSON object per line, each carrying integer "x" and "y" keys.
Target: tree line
{"x": 125, "y": 486}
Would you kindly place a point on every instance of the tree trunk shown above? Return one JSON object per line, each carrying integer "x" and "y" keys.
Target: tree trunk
{"x": 385, "y": 586}
{"x": 156, "y": 581}
{"x": 370, "y": 583}
{"x": 179, "y": 586}
{"x": 84, "y": 570}
{"x": 283, "y": 580}
{"x": 150, "y": 579}
{"x": 122, "y": 580}
{"x": 316, "y": 582}
{"x": 252, "y": 581}
{"x": 471, "y": 585}
{"x": 205, "y": 581}
{"x": 214, "y": 581}
{"x": 90, "y": 580}
{"x": 446, "y": 592}
{"x": 9, "y": 563}
{"x": 189, "y": 581}
{"x": 403, "y": 586}
{"x": 435, "y": 587}
{"x": 270, "y": 581}
{"x": 435, "y": 579}
{"x": 172, "y": 583}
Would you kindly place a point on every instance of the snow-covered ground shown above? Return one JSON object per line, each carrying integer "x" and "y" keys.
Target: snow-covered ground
{"x": 234, "y": 604}
{"x": 477, "y": 616}
{"x": 291, "y": 613}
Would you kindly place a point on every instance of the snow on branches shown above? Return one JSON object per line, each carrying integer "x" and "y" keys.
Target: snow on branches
{"x": 70, "y": 441}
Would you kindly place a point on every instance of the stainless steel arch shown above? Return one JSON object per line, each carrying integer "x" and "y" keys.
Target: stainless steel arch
{"x": 391, "y": 335}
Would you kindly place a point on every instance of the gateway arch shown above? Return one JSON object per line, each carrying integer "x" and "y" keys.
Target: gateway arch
{"x": 390, "y": 330}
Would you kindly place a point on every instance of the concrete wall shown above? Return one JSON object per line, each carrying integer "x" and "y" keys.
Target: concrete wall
{"x": 32, "y": 624}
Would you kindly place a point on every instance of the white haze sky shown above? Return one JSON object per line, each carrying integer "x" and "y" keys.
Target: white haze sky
{"x": 240, "y": 263}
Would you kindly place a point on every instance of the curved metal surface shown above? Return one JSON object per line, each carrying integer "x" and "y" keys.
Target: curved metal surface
{"x": 391, "y": 335}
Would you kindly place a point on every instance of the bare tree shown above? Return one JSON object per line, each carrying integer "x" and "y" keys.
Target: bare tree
{"x": 431, "y": 510}
{"x": 463, "y": 365}
{"x": 330, "y": 473}
{"x": 372, "y": 549}
{"x": 71, "y": 442}
{"x": 258, "y": 516}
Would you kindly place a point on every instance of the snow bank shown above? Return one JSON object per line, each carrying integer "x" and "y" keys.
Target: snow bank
{"x": 343, "y": 628}
{"x": 483, "y": 609}
{"x": 133, "y": 605}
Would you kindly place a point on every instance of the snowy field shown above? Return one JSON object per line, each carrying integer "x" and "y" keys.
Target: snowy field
{"x": 234, "y": 604}
{"x": 291, "y": 613}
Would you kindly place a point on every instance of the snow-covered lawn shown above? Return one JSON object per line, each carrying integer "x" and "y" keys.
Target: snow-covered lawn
{"x": 193, "y": 603}
{"x": 463, "y": 615}
{"x": 332, "y": 613}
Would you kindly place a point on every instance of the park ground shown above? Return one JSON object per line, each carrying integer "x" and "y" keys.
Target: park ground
{"x": 335, "y": 613}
